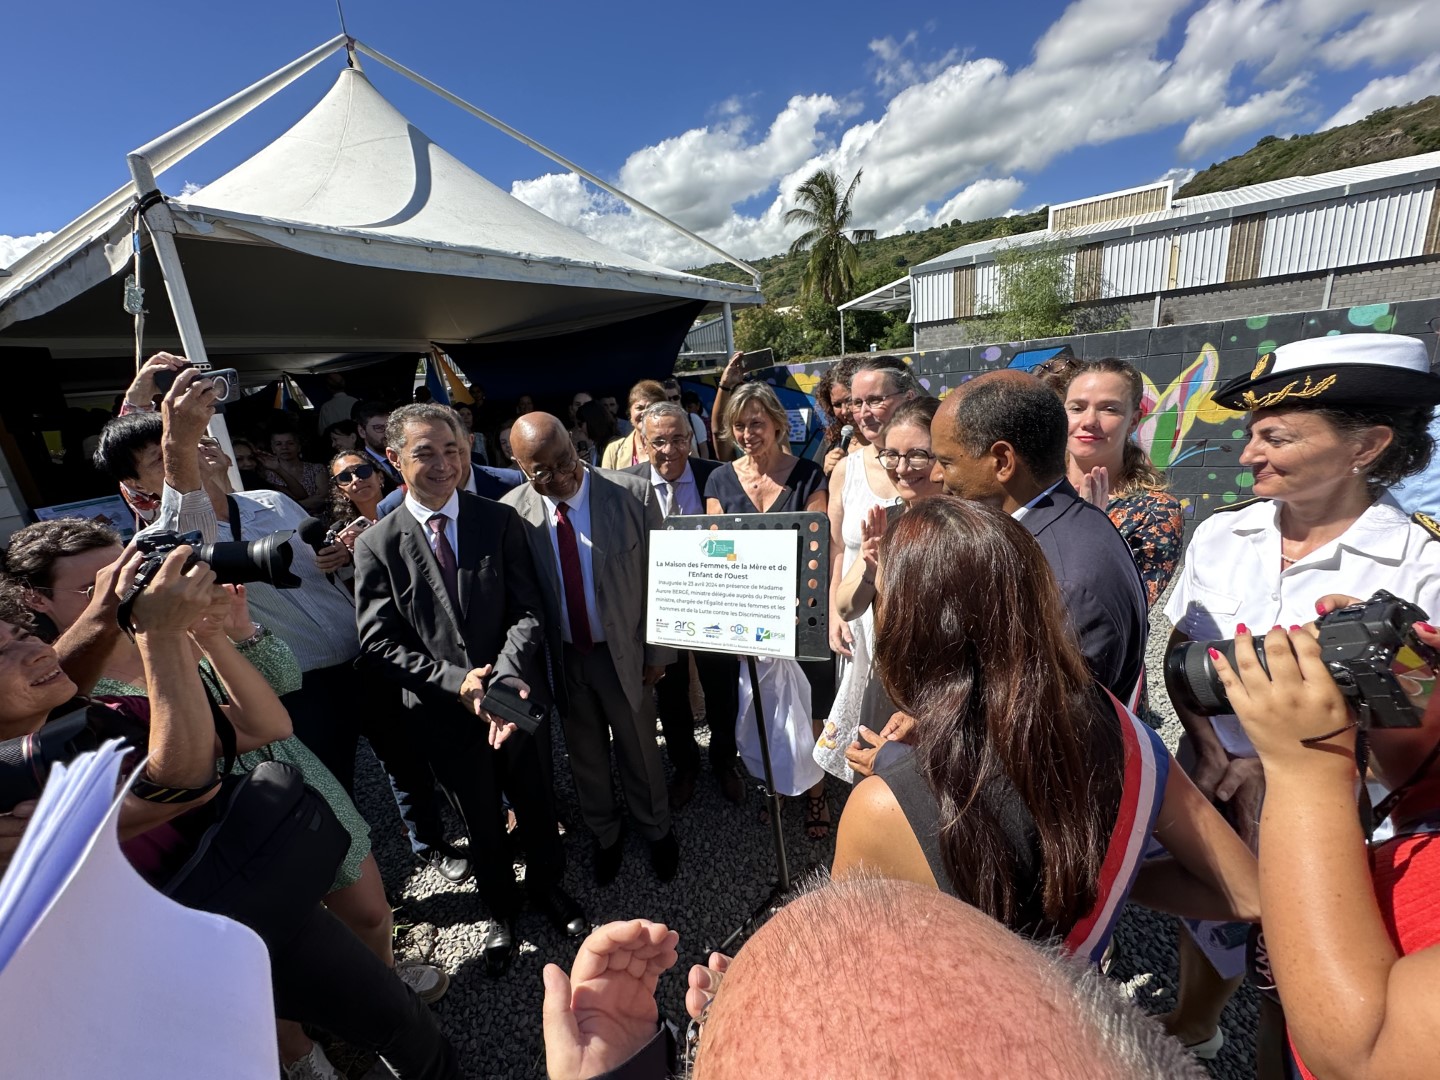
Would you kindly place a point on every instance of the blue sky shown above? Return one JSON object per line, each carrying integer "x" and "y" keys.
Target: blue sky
{"x": 953, "y": 110}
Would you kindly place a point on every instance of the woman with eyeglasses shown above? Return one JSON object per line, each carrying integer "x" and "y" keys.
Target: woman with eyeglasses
{"x": 1109, "y": 468}
{"x": 770, "y": 479}
{"x": 907, "y": 458}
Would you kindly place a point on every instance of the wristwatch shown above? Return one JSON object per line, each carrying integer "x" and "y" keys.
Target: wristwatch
{"x": 261, "y": 632}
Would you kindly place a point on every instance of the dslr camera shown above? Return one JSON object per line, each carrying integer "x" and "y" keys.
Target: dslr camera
{"x": 235, "y": 562}
{"x": 1370, "y": 649}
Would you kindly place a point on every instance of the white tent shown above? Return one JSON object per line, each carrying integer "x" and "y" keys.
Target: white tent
{"x": 352, "y": 233}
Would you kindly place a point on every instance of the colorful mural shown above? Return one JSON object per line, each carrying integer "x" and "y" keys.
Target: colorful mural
{"x": 1184, "y": 431}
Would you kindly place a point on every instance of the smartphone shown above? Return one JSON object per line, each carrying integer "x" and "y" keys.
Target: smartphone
{"x": 760, "y": 358}
{"x": 225, "y": 381}
{"x": 351, "y": 532}
{"x": 504, "y": 701}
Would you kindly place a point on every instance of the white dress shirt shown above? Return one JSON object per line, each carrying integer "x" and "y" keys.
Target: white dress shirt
{"x": 687, "y": 492}
{"x": 1021, "y": 511}
{"x": 1233, "y": 574}
{"x": 578, "y": 515}
{"x": 451, "y": 510}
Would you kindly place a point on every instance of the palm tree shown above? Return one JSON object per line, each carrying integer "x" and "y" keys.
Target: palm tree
{"x": 834, "y": 263}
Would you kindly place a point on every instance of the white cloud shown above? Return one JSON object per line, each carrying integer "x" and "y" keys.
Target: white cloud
{"x": 13, "y": 247}
{"x": 958, "y": 134}
{"x": 1420, "y": 81}
{"x": 1229, "y": 123}
{"x": 1177, "y": 177}
{"x": 895, "y": 69}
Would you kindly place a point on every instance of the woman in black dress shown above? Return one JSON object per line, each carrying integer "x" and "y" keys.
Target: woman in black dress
{"x": 771, "y": 480}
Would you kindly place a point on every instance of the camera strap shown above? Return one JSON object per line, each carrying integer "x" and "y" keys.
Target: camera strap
{"x": 234, "y": 509}
{"x": 1386, "y": 805}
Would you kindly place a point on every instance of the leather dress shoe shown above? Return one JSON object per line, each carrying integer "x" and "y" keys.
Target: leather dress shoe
{"x": 731, "y": 786}
{"x": 608, "y": 860}
{"x": 682, "y": 788}
{"x": 450, "y": 865}
{"x": 564, "y": 913}
{"x": 498, "y": 946}
{"x": 665, "y": 856}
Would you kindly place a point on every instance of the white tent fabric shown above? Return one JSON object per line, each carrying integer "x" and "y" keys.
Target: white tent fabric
{"x": 351, "y": 232}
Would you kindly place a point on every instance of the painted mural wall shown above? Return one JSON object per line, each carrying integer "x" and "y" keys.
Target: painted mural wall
{"x": 1183, "y": 430}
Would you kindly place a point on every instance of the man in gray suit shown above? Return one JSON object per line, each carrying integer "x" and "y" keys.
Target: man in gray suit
{"x": 588, "y": 531}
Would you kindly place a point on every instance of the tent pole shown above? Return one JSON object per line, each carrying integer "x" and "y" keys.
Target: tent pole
{"x": 729, "y": 330}
{"x": 162, "y": 239}
{"x": 563, "y": 162}
{"x": 841, "y": 313}
{"x": 159, "y": 154}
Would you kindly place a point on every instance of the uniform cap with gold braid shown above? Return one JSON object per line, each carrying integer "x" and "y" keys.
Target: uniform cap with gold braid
{"x": 1384, "y": 370}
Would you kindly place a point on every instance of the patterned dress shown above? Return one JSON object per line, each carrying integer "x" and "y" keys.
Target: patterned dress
{"x": 1153, "y": 526}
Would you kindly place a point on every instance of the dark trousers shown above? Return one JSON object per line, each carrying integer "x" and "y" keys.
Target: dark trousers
{"x": 472, "y": 776}
{"x": 596, "y": 709}
{"x": 324, "y": 975}
{"x": 718, "y": 673}
{"x": 387, "y": 725}
{"x": 325, "y": 713}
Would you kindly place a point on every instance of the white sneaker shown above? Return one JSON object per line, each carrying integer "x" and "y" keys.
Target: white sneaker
{"x": 428, "y": 981}
{"x": 1208, "y": 1049}
{"x": 313, "y": 1066}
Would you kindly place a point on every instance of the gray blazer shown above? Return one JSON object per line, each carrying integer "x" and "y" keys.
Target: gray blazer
{"x": 622, "y": 513}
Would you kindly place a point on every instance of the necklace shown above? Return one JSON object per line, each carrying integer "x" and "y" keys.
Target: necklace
{"x": 1287, "y": 559}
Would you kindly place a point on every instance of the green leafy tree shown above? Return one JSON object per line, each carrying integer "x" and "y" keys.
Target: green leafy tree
{"x": 1034, "y": 294}
{"x": 834, "y": 262}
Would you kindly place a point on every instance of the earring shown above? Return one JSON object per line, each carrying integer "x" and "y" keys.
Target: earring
{"x": 1356, "y": 470}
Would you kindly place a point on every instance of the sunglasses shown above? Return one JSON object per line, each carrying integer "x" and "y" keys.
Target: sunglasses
{"x": 357, "y": 472}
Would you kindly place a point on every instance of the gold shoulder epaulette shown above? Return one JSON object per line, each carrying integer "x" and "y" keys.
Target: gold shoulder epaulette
{"x": 1426, "y": 522}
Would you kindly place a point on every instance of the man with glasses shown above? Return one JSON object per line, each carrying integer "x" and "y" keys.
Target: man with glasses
{"x": 678, "y": 482}
{"x": 589, "y": 533}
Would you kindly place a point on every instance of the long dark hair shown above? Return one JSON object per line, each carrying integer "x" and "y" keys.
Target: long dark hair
{"x": 340, "y": 510}
{"x": 998, "y": 688}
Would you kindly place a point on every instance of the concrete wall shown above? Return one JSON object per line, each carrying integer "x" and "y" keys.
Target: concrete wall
{"x": 1184, "y": 431}
{"x": 1414, "y": 279}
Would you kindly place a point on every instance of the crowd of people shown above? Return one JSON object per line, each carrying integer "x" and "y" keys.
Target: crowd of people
{"x": 457, "y": 597}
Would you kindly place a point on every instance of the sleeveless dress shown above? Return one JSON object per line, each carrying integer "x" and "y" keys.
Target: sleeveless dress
{"x": 858, "y": 699}
{"x": 1147, "y": 767}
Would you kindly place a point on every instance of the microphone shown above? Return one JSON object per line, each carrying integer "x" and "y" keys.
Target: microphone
{"x": 312, "y": 530}
{"x": 846, "y": 434}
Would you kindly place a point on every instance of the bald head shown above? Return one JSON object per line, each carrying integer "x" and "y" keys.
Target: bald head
{"x": 934, "y": 989}
{"x": 541, "y": 447}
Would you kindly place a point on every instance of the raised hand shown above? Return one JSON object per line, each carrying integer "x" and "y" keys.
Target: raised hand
{"x": 604, "y": 1011}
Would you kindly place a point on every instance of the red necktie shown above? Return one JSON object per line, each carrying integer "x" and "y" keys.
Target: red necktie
{"x": 573, "y": 580}
{"x": 445, "y": 556}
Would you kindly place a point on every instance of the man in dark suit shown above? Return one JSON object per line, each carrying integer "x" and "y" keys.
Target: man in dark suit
{"x": 447, "y": 604}
{"x": 678, "y": 484}
{"x": 1000, "y": 439}
{"x": 589, "y": 533}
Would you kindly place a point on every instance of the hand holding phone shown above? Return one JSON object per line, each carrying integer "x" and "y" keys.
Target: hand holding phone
{"x": 503, "y": 700}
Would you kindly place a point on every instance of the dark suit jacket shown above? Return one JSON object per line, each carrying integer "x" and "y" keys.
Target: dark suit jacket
{"x": 1099, "y": 583}
{"x": 409, "y": 629}
{"x": 701, "y": 467}
{"x": 622, "y": 514}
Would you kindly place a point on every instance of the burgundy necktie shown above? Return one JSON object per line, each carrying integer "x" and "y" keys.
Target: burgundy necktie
{"x": 573, "y": 579}
{"x": 445, "y": 556}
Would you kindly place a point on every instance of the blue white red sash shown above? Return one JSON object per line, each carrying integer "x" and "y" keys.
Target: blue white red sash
{"x": 1147, "y": 765}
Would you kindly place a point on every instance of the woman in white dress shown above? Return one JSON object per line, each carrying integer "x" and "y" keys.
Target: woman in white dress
{"x": 878, "y": 387}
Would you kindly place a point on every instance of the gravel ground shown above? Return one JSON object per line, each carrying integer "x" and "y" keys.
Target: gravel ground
{"x": 727, "y": 867}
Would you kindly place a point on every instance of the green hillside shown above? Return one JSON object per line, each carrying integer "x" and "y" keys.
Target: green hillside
{"x": 1383, "y": 135}
{"x": 881, "y": 260}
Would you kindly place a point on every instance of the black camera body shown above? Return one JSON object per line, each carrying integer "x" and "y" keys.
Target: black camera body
{"x": 235, "y": 562}
{"x": 1358, "y": 645}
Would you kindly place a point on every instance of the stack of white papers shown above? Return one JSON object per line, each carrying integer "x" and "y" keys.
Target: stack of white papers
{"x": 102, "y": 976}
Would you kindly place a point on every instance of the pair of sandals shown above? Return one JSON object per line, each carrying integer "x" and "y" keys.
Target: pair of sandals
{"x": 817, "y": 816}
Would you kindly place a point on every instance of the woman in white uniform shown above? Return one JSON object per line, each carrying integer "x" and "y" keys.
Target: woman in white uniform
{"x": 1332, "y": 423}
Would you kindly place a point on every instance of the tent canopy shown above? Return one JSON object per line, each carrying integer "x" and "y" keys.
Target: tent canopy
{"x": 351, "y": 233}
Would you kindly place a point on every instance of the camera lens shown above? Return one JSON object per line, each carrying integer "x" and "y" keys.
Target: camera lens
{"x": 1194, "y": 683}
{"x": 266, "y": 560}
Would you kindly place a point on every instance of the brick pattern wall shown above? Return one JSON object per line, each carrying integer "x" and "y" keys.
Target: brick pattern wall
{"x": 1412, "y": 280}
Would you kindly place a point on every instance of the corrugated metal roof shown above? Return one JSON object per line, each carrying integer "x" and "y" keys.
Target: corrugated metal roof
{"x": 1275, "y": 194}
{"x": 1303, "y": 185}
